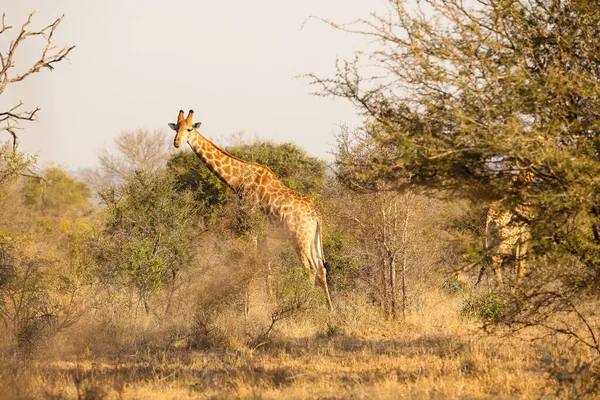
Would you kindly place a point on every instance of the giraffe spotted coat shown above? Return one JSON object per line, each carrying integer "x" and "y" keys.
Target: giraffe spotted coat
{"x": 257, "y": 185}
{"x": 506, "y": 233}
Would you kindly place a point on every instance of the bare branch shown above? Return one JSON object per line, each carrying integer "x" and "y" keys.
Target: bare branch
{"x": 4, "y": 26}
{"x": 9, "y": 120}
{"x": 47, "y": 58}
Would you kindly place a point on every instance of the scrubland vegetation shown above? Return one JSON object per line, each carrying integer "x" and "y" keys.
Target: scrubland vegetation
{"x": 146, "y": 278}
{"x": 143, "y": 298}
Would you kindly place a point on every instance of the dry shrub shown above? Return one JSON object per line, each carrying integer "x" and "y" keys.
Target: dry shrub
{"x": 222, "y": 294}
{"x": 233, "y": 307}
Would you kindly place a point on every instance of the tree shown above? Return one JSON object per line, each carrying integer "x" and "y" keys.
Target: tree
{"x": 463, "y": 98}
{"x": 191, "y": 174}
{"x": 382, "y": 227}
{"x": 57, "y": 194}
{"x": 140, "y": 150}
{"x": 291, "y": 164}
{"x": 146, "y": 239}
{"x": 11, "y": 161}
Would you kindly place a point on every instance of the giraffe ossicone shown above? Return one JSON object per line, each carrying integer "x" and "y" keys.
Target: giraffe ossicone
{"x": 258, "y": 185}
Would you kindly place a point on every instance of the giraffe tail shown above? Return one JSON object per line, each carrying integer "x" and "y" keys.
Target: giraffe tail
{"x": 320, "y": 263}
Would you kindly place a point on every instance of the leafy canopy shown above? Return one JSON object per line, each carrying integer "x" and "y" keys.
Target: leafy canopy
{"x": 462, "y": 96}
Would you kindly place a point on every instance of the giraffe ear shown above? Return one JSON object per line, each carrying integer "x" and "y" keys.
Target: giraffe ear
{"x": 196, "y": 125}
{"x": 173, "y": 126}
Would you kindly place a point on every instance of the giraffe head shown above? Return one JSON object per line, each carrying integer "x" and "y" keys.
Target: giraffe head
{"x": 184, "y": 127}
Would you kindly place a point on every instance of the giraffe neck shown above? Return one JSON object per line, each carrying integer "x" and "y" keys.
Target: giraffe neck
{"x": 225, "y": 166}
{"x": 254, "y": 183}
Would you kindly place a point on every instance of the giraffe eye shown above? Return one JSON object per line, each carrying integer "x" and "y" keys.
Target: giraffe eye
{"x": 190, "y": 129}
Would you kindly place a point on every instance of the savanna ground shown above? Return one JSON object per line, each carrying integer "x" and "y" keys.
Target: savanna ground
{"x": 351, "y": 353}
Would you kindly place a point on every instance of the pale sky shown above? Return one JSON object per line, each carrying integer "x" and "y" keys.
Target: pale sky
{"x": 138, "y": 62}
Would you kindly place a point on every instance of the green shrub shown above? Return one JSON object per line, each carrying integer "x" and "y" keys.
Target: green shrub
{"x": 454, "y": 285}
{"x": 487, "y": 307}
{"x": 147, "y": 236}
{"x": 294, "y": 288}
{"x": 342, "y": 269}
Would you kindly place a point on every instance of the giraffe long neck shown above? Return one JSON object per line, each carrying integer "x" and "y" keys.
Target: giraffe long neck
{"x": 254, "y": 183}
{"x": 226, "y": 167}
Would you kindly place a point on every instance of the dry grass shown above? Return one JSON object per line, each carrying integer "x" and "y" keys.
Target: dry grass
{"x": 352, "y": 353}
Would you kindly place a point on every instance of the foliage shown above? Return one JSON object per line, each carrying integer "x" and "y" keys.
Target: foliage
{"x": 57, "y": 193}
{"x": 293, "y": 289}
{"x": 342, "y": 269}
{"x": 471, "y": 92}
{"x": 244, "y": 220}
{"x": 487, "y": 307}
{"x": 147, "y": 235}
{"x": 12, "y": 164}
{"x": 36, "y": 300}
{"x": 463, "y": 97}
{"x": 454, "y": 285}
{"x": 192, "y": 175}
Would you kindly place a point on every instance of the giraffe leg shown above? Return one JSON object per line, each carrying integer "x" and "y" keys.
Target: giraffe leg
{"x": 309, "y": 248}
{"x": 496, "y": 266}
{"x": 321, "y": 277}
{"x": 263, "y": 251}
{"x": 521, "y": 256}
{"x": 316, "y": 256}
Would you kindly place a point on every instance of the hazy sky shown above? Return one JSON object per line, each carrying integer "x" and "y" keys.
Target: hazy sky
{"x": 138, "y": 62}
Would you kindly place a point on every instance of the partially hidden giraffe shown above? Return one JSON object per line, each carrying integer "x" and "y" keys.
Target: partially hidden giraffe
{"x": 506, "y": 233}
{"x": 258, "y": 186}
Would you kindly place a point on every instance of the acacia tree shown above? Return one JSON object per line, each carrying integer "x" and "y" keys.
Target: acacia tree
{"x": 462, "y": 97}
{"x": 11, "y": 162}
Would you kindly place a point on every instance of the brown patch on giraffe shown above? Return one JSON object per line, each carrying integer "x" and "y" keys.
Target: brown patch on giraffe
{"x": 219, "y": 171}
{"x": 265, "y": 178}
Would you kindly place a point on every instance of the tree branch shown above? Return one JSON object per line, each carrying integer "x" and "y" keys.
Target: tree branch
{"x": 50, "y": 56}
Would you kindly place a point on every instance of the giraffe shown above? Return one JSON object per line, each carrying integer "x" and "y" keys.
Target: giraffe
{"x": 506, "y": 233}
{"x": 257, "y": 185}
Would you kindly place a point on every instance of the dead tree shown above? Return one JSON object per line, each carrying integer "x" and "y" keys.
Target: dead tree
{"x": 50, "y": 55}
